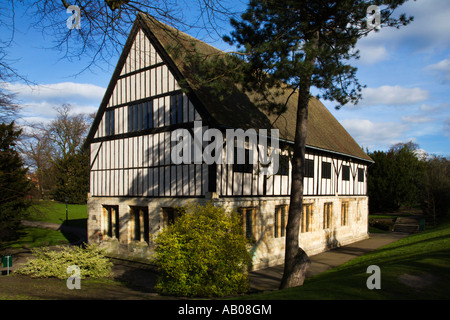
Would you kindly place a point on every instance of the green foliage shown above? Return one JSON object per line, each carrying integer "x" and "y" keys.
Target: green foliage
{"x": 53, "y": 263}
{"x": 14, "y": 185}
{"x": 394, "y": 178}
{"x": 399, "y": 177}
{"x": 435, "y": 188}
{"x": 72, "y": 178}
{"x": 204, "y": 253}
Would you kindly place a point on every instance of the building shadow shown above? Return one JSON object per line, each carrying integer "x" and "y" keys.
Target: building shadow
{"x": 75, "y": 231}
{"x": 136, "y": 276}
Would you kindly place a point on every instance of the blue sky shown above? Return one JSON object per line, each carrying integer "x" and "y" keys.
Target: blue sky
{"x": 407, "y": 73}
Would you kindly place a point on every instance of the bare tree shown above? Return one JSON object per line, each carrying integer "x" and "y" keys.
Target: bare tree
{"x": 45, "y": 145}
{"x": 105, "y": 24}
{"x": 38, "y": 153}
{"x": 67, "y": 132}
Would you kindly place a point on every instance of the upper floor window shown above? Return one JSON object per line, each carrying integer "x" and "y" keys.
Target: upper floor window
{"x": 283, "y": 169}
{"x": 247, "y": 166}
{"x": 140, "y": 116}
{"x": 109, "y": 122}
{"x": 360, "y": 175}
{"x": 176, "y": 109}
{"x": 309, "y": 168}
{"x": 326, "y": 170}
{"x": 346, "y": 173}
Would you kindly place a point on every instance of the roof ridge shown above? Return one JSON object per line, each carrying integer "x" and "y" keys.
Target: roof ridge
{"x": 152, "y": 19}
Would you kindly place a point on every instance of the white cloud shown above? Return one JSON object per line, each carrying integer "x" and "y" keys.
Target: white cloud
{"x": 447, "y": 127}
{"x": 433, "y": 108}
{"x": 371, "y": 54}
{"x": 38, "y": 102}
{"x": 428, "y": 31}
{"x": 441, "y": 69}
{"x": 56, "y": 91}
{"x": 375, "y": 135}
{"x": 392, "y": 95}
{"x": 417, "y": 119}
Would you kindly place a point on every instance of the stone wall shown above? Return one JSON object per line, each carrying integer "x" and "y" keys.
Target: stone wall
{"x": 267, "y": 249}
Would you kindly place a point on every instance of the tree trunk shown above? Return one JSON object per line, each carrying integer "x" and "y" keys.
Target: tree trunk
{"x": 296, "y": 261}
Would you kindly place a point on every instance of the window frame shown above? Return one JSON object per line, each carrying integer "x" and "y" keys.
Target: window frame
{"x": 171, "y": 214}
{"x": 248, "y": 214}
{"x": 109, "y": 123}
{"x": 111, "y": 219}
{"x": 280, "y": 220}
{"x": 361, "y": 174}
{"x": 309, "y": 168}
{"x": 326, "y": 170}
{"x": 140, "y": 224}
{"x": 307, "y": 214}
{"x": 283, "y": 168}
{"x": 176, "y": 108}
{"x": 140, "y": 116}
{"x": 344, "y": 213}
{"x": 327, "y": 215}
{"x": 247, "y": 166}
{"x": 345, "y": 173}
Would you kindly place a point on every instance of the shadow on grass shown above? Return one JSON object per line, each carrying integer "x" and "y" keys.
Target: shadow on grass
{"x": 30, "y": 237}
{"x": 75, "y": 231}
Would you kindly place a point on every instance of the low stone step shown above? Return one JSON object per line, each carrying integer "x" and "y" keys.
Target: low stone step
{"x": 406, "y": 228}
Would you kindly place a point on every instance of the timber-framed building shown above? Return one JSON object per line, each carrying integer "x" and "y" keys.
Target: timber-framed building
{"x": 135, "y": 187}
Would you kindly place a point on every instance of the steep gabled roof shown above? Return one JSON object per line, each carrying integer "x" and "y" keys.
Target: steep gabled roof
{"x": 238, "y": 109}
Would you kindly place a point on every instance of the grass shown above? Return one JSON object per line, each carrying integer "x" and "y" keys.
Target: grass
{"x": 35, "y": 237}
{"x": 415, "y": 267}
{"x": 55, "y": 212}
{"x": 47, "y": 211}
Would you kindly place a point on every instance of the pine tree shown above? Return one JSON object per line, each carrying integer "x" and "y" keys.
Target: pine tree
{"x": 304, "y": 44}
{"x": 14, "y": 184}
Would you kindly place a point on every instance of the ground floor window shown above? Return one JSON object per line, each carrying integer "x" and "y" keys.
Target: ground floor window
{"x": 306, "y": 225}
{"x": 171, "y": 214}
{"x": 281, "y": 214}
{"x": 111, "y": 221}
{"x": 327, "y": 215}
{"x": 344, "y": 213}
{"x": 140, "y": 224}
{"x": 248, "y": 216}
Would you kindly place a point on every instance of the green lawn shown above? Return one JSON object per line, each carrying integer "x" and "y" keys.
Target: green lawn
{"x": 55, "y": 212}
{"x": 415, "y": 267}
{"x": 47, "y": 211}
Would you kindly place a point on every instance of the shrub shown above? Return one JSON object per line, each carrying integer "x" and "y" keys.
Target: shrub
{"x": 53, "y": 263}
{"x": 204, "y": 253}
